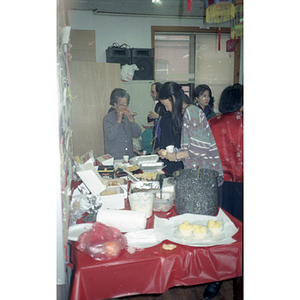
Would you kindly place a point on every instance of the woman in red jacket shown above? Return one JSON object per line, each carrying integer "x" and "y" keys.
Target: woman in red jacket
{"x": 228, "y": 130}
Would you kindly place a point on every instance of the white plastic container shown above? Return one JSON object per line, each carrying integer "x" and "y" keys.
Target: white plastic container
{"x": 152, "y": 167}
{"x": 165, "y": 203}
{"x": 142, "y": 202}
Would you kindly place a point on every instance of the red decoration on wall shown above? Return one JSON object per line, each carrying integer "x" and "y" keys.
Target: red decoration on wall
{"x": 219, "y": 40}
{"x": 189, "y": 4}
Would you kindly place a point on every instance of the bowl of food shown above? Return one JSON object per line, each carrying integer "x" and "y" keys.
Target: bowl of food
{"x": 142, "y": 202}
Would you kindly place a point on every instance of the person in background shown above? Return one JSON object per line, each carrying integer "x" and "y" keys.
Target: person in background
{"x": 147, "y": 137}
{"x": 228, "y": 130}
{"x": 119, "y": 126}
{"x": 202, "y": 96}
{"x": 156, "y": 115}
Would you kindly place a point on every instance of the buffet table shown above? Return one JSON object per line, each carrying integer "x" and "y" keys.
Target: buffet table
{"x": 154, "y": 270}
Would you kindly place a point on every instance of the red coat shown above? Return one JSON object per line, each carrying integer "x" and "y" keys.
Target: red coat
{"x": 228, "y": 131}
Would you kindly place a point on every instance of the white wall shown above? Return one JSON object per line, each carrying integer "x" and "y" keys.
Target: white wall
{"x": 132, "y": 30}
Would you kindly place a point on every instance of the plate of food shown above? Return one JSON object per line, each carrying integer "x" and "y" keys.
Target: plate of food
{"x": 148, "y": 125}
{"x": 123, "y": 169}
{"x": 197, "y": 230}
{"x": 134, "y": 113}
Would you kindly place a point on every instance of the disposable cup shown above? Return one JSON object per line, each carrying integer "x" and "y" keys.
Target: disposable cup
{"x": 170, "y": 148}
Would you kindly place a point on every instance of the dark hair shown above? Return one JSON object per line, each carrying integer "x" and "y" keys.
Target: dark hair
{"x": 158, "y": 86}
{"x": 167, "y": 91}
{"x": 231, "y": 99}
{"x": 118, "y": 93}
{"x": 200, "y": 89}
{"x": 211, "y": 102}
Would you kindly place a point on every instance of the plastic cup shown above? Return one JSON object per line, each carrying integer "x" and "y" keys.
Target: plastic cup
{"x": 126, "y": 158}
{"x": 170, "y": 148}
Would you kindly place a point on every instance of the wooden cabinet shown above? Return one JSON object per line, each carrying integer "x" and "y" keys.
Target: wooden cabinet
{"x": 91, "y": 86}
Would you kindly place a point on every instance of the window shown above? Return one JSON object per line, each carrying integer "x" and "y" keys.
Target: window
{"x": 192, "y": 58}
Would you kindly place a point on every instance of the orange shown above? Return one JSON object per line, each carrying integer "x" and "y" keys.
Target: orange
{"x": 111, "y": 248}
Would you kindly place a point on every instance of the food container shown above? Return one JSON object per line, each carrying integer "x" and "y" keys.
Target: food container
{"x": 165, "y": 203}
{"x": 143, "y": 186}
{"x": 106, "y": 171}
{"x": 152, "y": 167}
{"x": 142, "y": 202}
{"x": 105, "y": 160}
{"x": 144, "y": 159}
{"x": 113, "y": 198}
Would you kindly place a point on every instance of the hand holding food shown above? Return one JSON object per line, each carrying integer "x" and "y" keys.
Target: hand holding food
{"x": 162, "y": 153}
{"x": 153, "y": 115}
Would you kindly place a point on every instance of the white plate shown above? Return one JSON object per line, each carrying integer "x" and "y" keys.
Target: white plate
{"x": 142, "y": 239}
{"x": 148, "y": 125}
{"x": 168, "y": 229}
{"x": 76, "y": 230}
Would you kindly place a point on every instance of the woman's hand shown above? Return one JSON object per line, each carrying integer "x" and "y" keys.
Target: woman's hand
{"x": 128, "y": 114}
{"x": 153, "y": 115}
{"x": 162, "y": 153}
{"x": 119, "y": 116}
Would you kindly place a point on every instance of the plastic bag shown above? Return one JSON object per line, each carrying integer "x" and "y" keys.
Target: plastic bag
{"x": 102, "y": 242}
{"x": 127, "y": 72}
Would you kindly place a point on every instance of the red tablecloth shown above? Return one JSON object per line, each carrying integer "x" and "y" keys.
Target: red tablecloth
{"x": 155, "y": 270}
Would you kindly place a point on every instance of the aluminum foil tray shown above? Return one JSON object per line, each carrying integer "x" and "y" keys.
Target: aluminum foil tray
{"x": 152, "y": 167}
{"x": 142, "y": 186}
{"x": 144, "y": 159}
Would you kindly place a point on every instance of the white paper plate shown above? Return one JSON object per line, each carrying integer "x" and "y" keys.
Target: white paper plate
{"x": 76, "y": 230}
{"x": 168, "y": 229}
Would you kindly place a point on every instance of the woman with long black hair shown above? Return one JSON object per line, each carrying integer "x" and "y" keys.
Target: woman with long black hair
{"x": 198, "y": 146}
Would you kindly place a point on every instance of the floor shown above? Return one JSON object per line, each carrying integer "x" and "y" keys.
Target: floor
{"x": 189, "y": 293}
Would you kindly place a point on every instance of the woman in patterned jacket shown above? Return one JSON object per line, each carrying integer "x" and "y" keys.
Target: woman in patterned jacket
{"x": 198, "y": 146}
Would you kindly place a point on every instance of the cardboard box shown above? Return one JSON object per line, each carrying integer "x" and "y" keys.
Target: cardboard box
{"x": 105, "y": 160}
{"x": 91, "y": 178}
{"x": 106, "y": 171}
{"x": 122, "y": 182}
{"x": 115, "y": 201}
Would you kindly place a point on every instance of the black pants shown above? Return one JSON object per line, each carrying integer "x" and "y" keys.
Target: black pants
{"x": 232, "y": 198}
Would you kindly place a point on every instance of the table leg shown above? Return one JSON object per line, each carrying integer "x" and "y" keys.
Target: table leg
{"x": 238, "y": 288}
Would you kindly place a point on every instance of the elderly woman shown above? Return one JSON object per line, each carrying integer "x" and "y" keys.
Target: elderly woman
{"x": 119, "y": 126}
